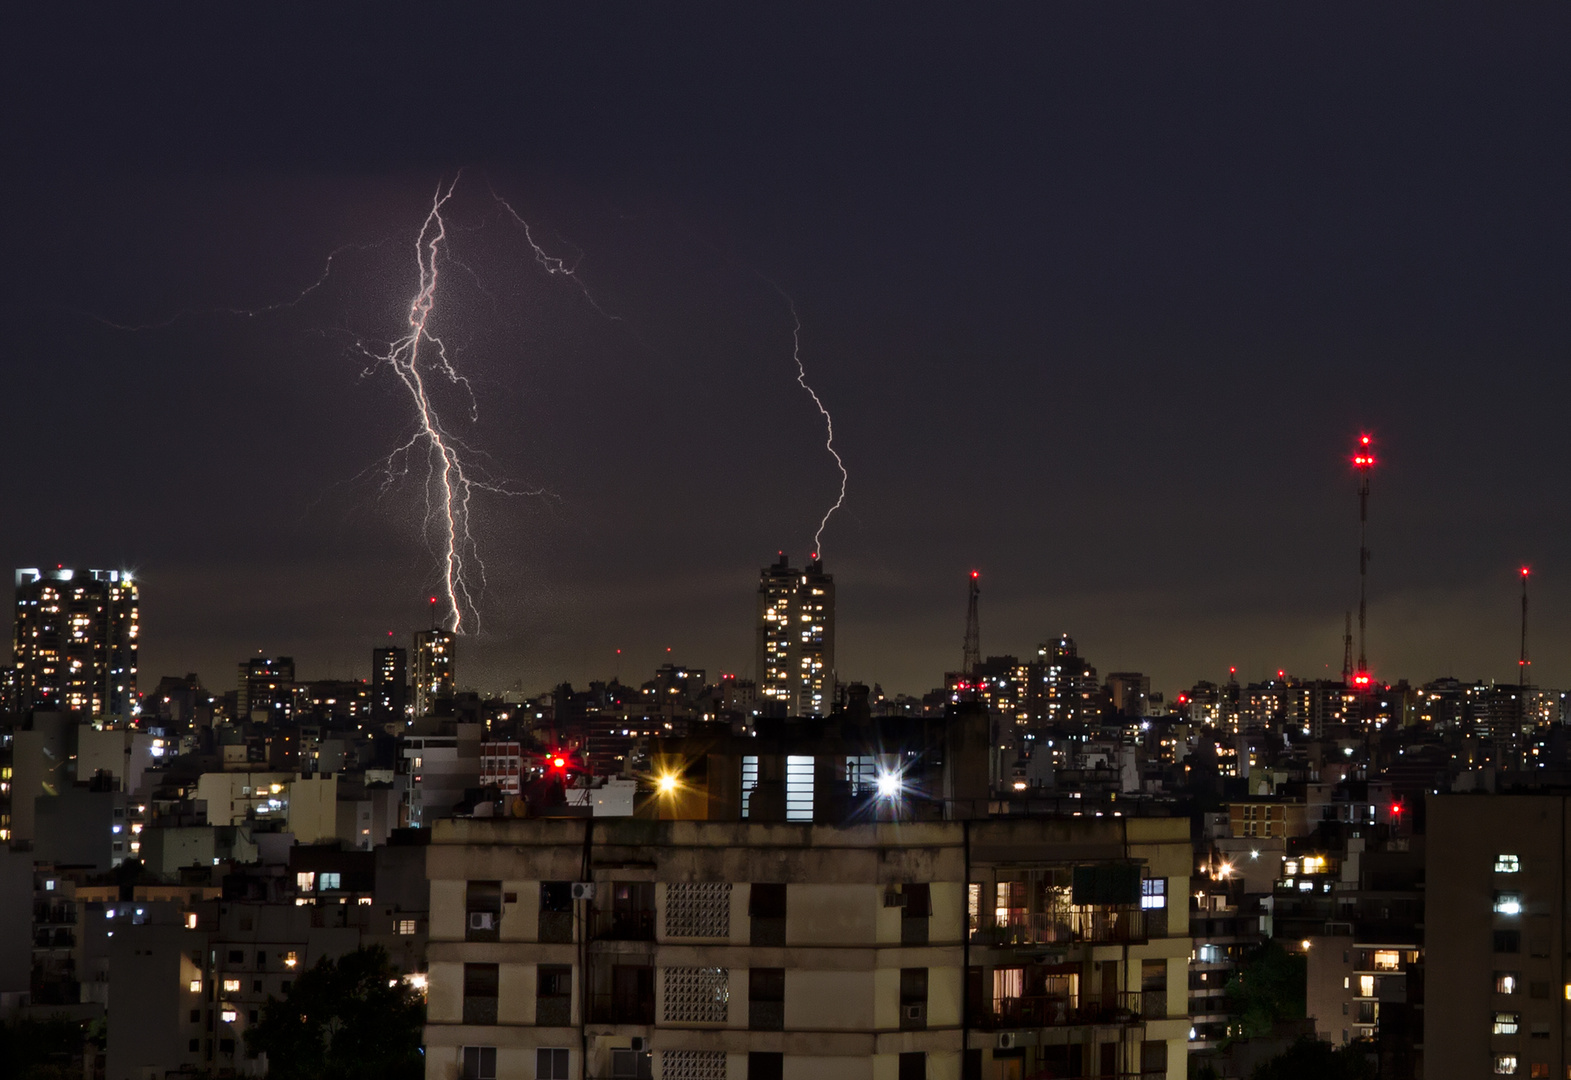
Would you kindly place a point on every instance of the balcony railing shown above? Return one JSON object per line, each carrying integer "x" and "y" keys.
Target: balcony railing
{"x": 1062, "y": 928}
{"x": 553, "y": 1011}
{"x": 613, "y": 1009}
{"x": 1060, "y": 1011}
{"x": 557, "y": 927}
{"x": 637, "y": 924}
{"x": 479, "y": 1010}
{"x": 766, "y": 1015}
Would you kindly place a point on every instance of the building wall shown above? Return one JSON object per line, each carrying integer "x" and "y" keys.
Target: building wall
{"x": 1468, "y": 945}
{"x": 842, "y": 952}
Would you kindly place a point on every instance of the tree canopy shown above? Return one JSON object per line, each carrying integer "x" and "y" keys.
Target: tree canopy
{"x": 350, "y": 1019}
{"x": 1312, "y": 1059}
{"x": 1269, "y": 987}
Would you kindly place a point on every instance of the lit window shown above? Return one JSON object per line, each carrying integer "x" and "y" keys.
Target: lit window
{"x": 196, "y": 986}
{"x": 305, "y": 880}
{"x": 330, "y": 880}
{"x": 1505, "y": 1064}
{"x": 230, "y": 1015}
{"x": 406, "y": 926}
{"x": 1507, "y": 982}
{"x": 1508, "y": 903}
{"x": 1506, "y": 1023}
{"x": 1507, "y": 864}
{"x": 231, "y": 986}
{"x": 1153, "y": 893}
{"x": 1366, "y": 986}
{"x": 1387, "y": 960}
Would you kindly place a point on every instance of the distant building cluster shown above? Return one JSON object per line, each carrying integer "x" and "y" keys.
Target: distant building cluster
{"x": 1032, "y": 870}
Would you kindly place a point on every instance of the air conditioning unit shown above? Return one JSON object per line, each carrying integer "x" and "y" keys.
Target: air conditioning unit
{"x": 482, "y": 920}
{"x": 892, "y": 898}
{"x": 1006, "y": 1040}
{"x": 638, "y": 1041}
{"x": 914, "y": 1012}
{"x": 583, "y": 890}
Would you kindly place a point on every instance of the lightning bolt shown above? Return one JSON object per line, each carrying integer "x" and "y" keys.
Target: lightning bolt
{"x": 829, "y": 422}
{"x": 452, "y": 479}
{"x": 552, "y": 264}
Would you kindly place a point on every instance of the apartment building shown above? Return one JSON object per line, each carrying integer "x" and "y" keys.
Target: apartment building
{"x": 1495, "y": 942}
{"x": 999, "y": 949}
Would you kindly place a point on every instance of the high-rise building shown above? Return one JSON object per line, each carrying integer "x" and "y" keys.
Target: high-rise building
{"x": 389, "y": 683}
{"x": 75, "y": 641}
{"x": 796, "y": 639}
{"x": 434, "y": 655}
{"x": 266, "y": 685}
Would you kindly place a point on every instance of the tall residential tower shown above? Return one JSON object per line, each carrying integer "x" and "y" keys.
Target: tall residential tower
{"x": 795, "y": 656}
{"x": 434, "y": 654}
{"x": 75, "y": 641}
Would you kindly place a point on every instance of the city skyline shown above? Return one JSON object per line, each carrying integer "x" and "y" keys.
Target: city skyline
{"x": 1098, "y": 307}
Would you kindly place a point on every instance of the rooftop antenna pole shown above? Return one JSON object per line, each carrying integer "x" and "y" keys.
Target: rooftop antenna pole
{"x": 1363, "y": 461}
{"x": 973, "y": 646}
{"x": 1347, "y": 649}
{"x": 1521, "y": 675}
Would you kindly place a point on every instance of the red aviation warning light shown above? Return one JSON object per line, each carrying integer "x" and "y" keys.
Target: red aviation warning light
{"x": 1363, "y": 457}
{"x": 975, "y": 575}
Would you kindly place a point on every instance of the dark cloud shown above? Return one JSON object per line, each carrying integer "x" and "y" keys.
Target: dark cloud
{"x": 1098, "y": 296}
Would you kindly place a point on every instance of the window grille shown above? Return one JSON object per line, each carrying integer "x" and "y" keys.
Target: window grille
{"x": 697, "y": 994}
{"x": 693, "y": 1065}
{"x": 698, "y": 910}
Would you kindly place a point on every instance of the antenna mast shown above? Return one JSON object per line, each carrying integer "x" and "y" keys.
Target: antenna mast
{"x": 1363, "y": 461}
{"x": 973, "y": 647}
{"x": 1521, "y": 675}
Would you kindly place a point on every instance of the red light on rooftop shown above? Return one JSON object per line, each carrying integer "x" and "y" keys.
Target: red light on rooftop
{"x": 1363, "y": 440}
{"x": 1396, "y": 809}
{"x": 1524, "y": 571}
{"x": 1280, "y": 673}
{"x": 975, "y": 575}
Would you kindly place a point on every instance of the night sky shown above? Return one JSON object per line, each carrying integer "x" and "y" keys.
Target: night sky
{"x": 1100, "y": 297}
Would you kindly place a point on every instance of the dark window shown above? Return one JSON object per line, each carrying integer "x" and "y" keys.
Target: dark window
{"x": 237, "y": 956}
{"x": 483, "y": 911}
{"x": 479, "y": 1063}
{"x": 554, "y": 996}
{"x": 194, "y": 1046}
{"x": 913, "y": 1001}
{"x": 286, "y": 984}
{"x": 632, "y": 1065}
{"x": 1153, "y": 1058}
{"x": 766, "y": 999}
{"x": 766, "y": 903}
{"x": 226, "y": 1046}
{"x": 971, "y": 1065}
{"x": 261, "y": 960}
{"x": 1508, "y": 941}
{"x": 550, "y": 1063}
{"x": 556, "y": 912}
{"x": 631, "y": 914}
{"x": 913, "y": 1066}
{"x": 765, "y": 1066}
{"x": 914, "y": 917}
{"x": 253, "y": 1016}
{"x": 632, "y": 997}
{"x": 480, "y": 984}
{"x": 256, "y": 986}
{"x": 196, "y": 1016}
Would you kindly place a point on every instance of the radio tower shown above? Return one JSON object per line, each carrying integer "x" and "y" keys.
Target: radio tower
{"x": 1521, "y": 675}
{"x": 1347, "y": 649}
{"x": 1363, "y": 461}
{"x": 973, "y": 647}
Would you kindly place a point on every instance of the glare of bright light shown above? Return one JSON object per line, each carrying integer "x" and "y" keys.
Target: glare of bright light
{"x": 1020, "y": 785}
{"x": 1305, "y": 944}
{"x": 1254, "y": 854}
{"x": 417, "y": 980}
{"x": 888, "y": 785}
{"x": 667, "y": 783}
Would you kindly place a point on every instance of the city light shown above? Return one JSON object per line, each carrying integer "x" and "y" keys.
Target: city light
{"x": 667, "y": 783}
{"x": 888, "y": 785}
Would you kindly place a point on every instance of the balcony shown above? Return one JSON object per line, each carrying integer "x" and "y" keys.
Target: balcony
{"x": 615, "y": 1009}
{"x": 624, "y": 924}
{"x": 1084, "y": 926}
{"x": 553, "y": 1011}
{"x": 479, "y": 1010}
{"x": 766, "y": 1015}
{"x": 1059, "y": 1011}
{"x": 556, "y": 927}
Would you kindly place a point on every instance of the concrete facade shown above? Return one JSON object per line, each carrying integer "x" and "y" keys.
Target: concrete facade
{"x": 1495, "y": 937}
{"x": 722, "y": 950}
